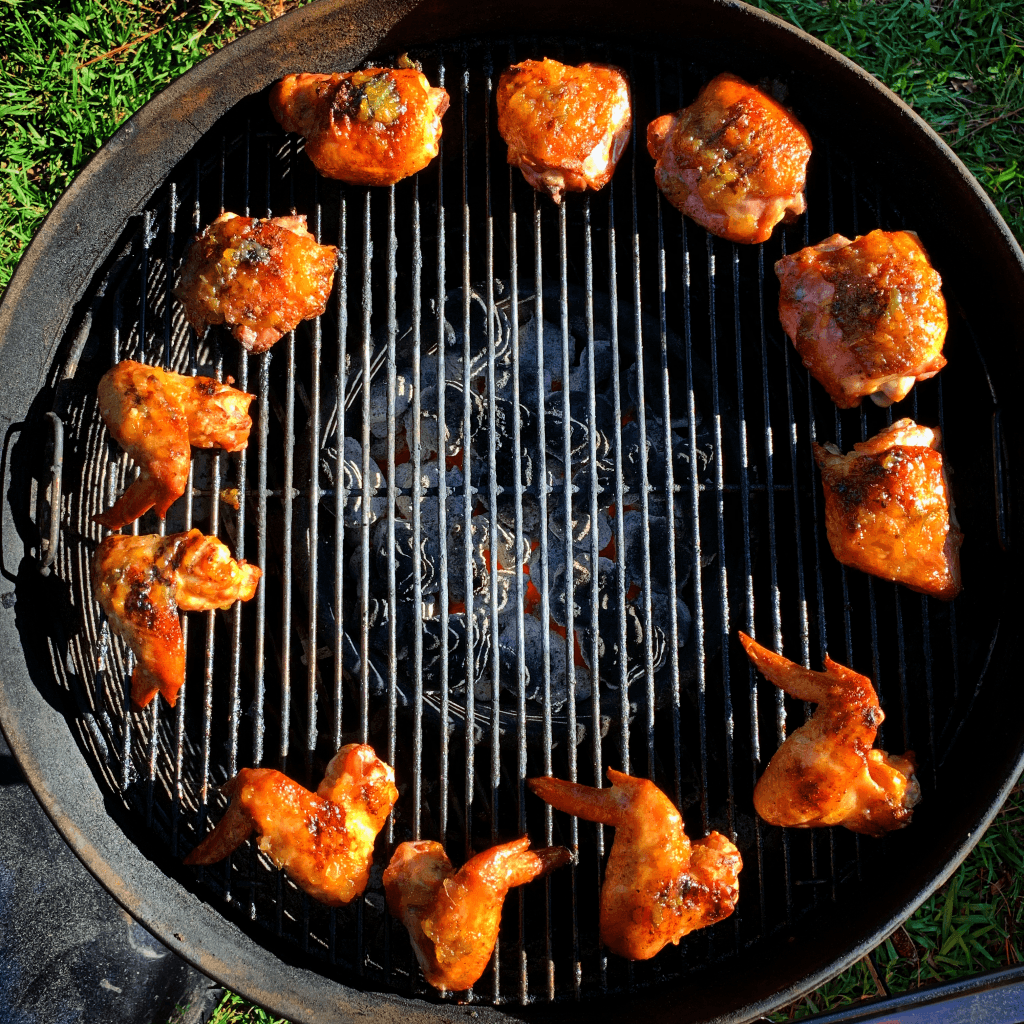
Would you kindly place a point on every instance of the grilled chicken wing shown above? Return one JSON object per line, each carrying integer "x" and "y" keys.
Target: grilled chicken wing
{"x": 867, "y": 316}
{"x": 453, "y": 916}
{"x": 658, "y": 886}
{"x": 323, "y": 840}
{"x": 143, "y": 582}
{"x": 156, "y": 415}
{"x": 888, "y": 510}
{"x": 261, "y": 277}
{"x": 735, "y": 160}
{"x": 826, "y": 772}
{"x": 371, "y": 127}
{"x": 566, "y": 127}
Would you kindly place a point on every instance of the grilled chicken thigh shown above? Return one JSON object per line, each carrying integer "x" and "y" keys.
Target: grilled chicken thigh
{"x": 143, "y": 582}
{"x": 735, "y": 160}
{"x": 261, "y": 277}
{"x": 888, "y": 510}
{"x": 658, "y": 886}
{"x": 453, "y": 916}
{"x": 371, "y": 127}
{"x": 566, "y": 127}
{"x": 867, "y": 316}
{"x": 322, "y": 840}
{"x": 156, "y": 415}
{"x": 826, "y": 772}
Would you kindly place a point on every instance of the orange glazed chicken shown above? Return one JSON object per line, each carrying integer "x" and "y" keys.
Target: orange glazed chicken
{"x": 261, "y": 277}
{"x": 322, "y": 840}
{"x": 888, "y": 511}
{"x": 658, "y": 886}
{"x": 867, "y": 317}
{"x": 453, "y": 916}
{"x": 143, "y": 582}
{"x": 156, "y": 415}
{"x": 826, "y": 772}
{"x": 371, "y": 127}
{"x": 735, "y": 160}
{"x": 566, "y": 127}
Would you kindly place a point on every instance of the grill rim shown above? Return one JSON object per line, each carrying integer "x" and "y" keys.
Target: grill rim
{"x": 31, "y": 705}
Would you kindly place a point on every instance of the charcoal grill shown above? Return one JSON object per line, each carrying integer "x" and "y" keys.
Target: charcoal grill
{"x": 445, "y": 264}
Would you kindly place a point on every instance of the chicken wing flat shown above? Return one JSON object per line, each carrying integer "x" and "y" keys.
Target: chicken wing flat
{"x": 735, "y": 160}
{"x": 453, "y": 916}
{"x": 371, "y": 127}
{"x": 156, "y": 415}
{"x": 322, "y": 840}
{"x": 658, "y": 886}
{"x": 261, "y": 277}
{"x": 566, "y": 127}
{"x": 888, "y": 510}
{"x": 867, "y": 316}
{"x": 826, "y": 773}
{"x": 143, "y": 582}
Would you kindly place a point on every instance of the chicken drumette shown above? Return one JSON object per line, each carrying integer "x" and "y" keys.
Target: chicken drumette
{"x": 453, "y": 916}
{"x": 371, "y": 127}
{"x": 261, "y": 277}
{"x": 322, "y": 840}
{"x": 867, "y": 316}
{"x": 156, "y": 415}
{"x": 888, "y": 510}
{"x": 566, "y": 127}
{"x": 143, "y": 582}
{"x": 735, "y": 160}
{"x": 826, "y": 772}
{"x": 658, "y": 886}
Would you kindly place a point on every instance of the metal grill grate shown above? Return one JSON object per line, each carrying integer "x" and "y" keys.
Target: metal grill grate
{"x": 690, "y": 326}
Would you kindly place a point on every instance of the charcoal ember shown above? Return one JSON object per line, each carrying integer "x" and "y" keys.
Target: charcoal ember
{"x": 405, "y": 561}
{"x": 380, "y": 413}
{"x": 579, "y": 376}
{"x": 681, "y": 454}
{"x": 505, "y": 448}
{"x": 578, "y": 430}
{"x": 531, "y": 514}
{"x": 405, "y": 477}
{"x": 529, "y": 356}
{"x": 454, "y": 420}
{"x": 481, "y": 558}
{"x": 609, "y": 644}
{"x": 377, "y": 646}
{"x": 582, "y": 524}
{"x": 583, "y": 579}
{"x": 535, "y": 635}
{"x": 459, "y": 658}
{"x": 501, "y": 330}
{"x": 353, "y": 489}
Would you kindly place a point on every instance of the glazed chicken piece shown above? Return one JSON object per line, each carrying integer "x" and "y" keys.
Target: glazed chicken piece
{"x": 156, "y": 415}
{"x": 658, "y": 886}
{"x": 453, "y": 916}
{"x": 566, "y": 127}
{"x": 867, "y": 316}
{"x": 143, "y": 582}
{"x": 371, "y": 127}
{"x": 322, "y": 840}
{"x": 888, "y": 510}
{"x": 735, "y": 160}
{"x": 826, "y": 772}
{"x": 261, "y": 277}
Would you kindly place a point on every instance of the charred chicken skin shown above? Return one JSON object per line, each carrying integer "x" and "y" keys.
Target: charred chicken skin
{"x": 156, "y": 416}
{"x": 735, "y": 160}
{"x": 453, "y": 916}
{"x": 658, "y": 886}
{"x": 826, "y": 773}
{"x": 261, "y": 277}
{"x": 143, "y": 582}
{"x": 867, "y": 316}
{"x": 888, "y": 510}
{"x": 371, "y": 127}
{"x": 566, "y": 127}
{"x": 322, "y": 840}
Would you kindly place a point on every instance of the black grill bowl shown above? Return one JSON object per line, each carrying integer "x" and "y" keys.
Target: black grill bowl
{"x": 282, "y": 681}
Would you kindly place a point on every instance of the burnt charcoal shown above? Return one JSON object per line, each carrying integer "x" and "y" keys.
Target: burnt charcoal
{"x": 579, "y": 432}
{"x": 454, "y": 419}
{"x": 531, "y": 513}
{"x": 377, "y": 682}
{"x": 405, "y": 568}
{"x": 458, "y": 648}
{"x": 380, "y": 413}
{"x": 609, "y": 643}
{"x": 504, "y": 447}
{"x": 352, "y": 482}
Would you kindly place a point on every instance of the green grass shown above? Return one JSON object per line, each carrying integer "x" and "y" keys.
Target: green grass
{"x": 71, "y": 72}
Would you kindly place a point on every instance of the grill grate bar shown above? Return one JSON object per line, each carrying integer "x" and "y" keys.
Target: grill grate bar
{"x": 341, "y": 494}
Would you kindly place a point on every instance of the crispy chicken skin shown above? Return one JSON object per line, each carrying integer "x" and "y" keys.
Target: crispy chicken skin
{"x": 867, "y": 316}
{"x": 735, "y": 160}
{"x": 566, "y": 127}
{"x": 826, "y": 772}
{"x": 453, "y": 916}
{"x": 143, "y": 582}
{"x": 371, "y": 127}
{"x": 658, "y": 886}
{"x": 261, "y": 277}
{"x": 888, "y": 510}
{"x": 156, "y": 416}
